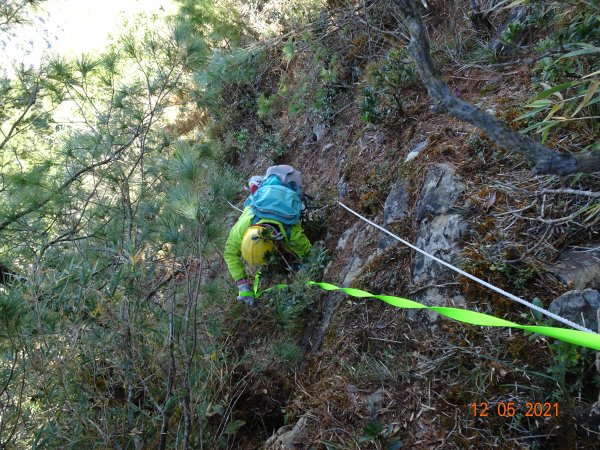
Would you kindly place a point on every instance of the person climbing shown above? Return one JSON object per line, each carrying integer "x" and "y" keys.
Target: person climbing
{"x": 269, "y": 223}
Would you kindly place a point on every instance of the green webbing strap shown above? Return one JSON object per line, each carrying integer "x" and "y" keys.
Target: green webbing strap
{"x": 590, "y": 340}
{"x": 257, "y": 293}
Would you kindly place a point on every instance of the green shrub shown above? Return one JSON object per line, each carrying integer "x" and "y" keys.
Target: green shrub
{"x": 382, "y": 96}
{"x": 569, "y": 83}
{"x": 264, "y": 105}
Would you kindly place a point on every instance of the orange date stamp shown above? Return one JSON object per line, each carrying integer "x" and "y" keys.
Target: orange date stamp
{"x": 510, "y": 409}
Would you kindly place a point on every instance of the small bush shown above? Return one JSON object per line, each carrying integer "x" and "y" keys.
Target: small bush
{"x": 382, "y": 96}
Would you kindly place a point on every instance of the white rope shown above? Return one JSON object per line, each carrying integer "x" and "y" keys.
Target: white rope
{"x": 474, "y": 278}
{"x": 235, "y": 207}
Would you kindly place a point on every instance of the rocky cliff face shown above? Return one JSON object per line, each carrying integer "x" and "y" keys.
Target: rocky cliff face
{"x": 441, "y": 185}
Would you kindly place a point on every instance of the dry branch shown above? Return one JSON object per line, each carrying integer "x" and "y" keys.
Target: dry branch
{"x": 547, "y": 161}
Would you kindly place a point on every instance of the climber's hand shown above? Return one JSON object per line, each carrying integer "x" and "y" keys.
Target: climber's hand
{"x": 246, "y": 294}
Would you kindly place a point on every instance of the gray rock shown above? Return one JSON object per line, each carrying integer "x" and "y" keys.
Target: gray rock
{"x": 577, "y": 269}
{"x": 288, "y": 438}
{"x": 440, "y": 191}
{"x": 436, "y": 296}
{"x": 416, "y": 150}
{"x": 326, "y": 147}
{"x": 351, "y": 239}
{"x": 438, "y": 238}
{"x": 375, "y": 401}
{"x": 345, "y": 238}
{"x": 352, "y": 271}
{"x": 579, "y": 306}
{"x": 395, "y": 208}
{"x": 342, "y": 189}
{"x": 319, "y": 131}
{"x": 354, "y": 267}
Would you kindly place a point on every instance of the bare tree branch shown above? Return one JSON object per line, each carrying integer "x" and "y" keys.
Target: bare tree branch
{"x": 547, "y": 161}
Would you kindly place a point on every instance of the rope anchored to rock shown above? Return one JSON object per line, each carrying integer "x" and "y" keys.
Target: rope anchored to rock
{"x": 473, "y": 277}
{"x": 579, "y": 336}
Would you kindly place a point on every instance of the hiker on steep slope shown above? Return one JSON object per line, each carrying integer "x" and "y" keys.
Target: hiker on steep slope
{"x": 270, "y": 223}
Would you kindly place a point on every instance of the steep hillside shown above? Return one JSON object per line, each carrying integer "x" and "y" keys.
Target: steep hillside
{"x": 345, "y": 106}
{"x": 469, "y": 130}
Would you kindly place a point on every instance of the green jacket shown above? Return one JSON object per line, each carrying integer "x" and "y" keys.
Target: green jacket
{"x": 297, "y": 243}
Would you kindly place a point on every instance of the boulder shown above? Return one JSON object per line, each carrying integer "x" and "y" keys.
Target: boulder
{"x": 439, "y": 238}
{"x": 345, "y": 238}
{"x": 342, "y": 189}
{"x": 395, "y": 208}
{"x": 578, "y": 269}
{"x": 440, "y": 191}
{"x": 288, "y": 438}
{"x": 580, "y": 306}
{"x": 416, "y": 150}
{"x": 318, "y": 131}
{"x": 435, "y": 296}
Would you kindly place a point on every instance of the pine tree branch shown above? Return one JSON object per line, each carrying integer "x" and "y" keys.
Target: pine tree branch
{"x": 547, "y": 161}
{"x": 72, "y": 179}
{"x": 30, "y": 103}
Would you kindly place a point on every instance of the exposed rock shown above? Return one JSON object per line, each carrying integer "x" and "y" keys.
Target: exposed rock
{"x": 435, "y": 296}
{"x": 372, "y": 141}
{"x": 577, "y": 269}
{"x": 416, "y": 150}
{"x": 396, "y": 203}
{"x": 353, "y": 270}
{"x": 342, "y": 189}
{"x": 345, "y": 237}
{"x": 355, "y": 259}
{"x": 354, "y": 266}
{"x": 347, "y": 274}
{"x": 288, "y": 439}
{"x": 395, "y": 208}
{"x": 440, "y": 191}
{"x": 374, "y": 401}
{"x": 438, "y": 238}
{"x": 579, "y": 306}
{"x": 319, "y": 131}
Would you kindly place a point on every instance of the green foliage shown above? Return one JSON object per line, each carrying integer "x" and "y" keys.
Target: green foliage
{"x": 233, "y": 427}
{"x": 569, "y": 83}
{"x": 567, "y": 360}
{"x": 218, "y": 22}
{"x": 374, "y": 431}
{"x": 287, "y": 307}
{"x": 228, "y": 79}
{"x": 382, "y": 96}
{"x": 288, "y": 50}
{"x": 512, "y": 33}
{"x": 369, "y": 106}
{"x": 102, "y": 215}
{"x": 287, "y": 351}
{"x": 264, "y": 104}
{"x": 520, "y": 278}
{"x": 14, "y": 12}
{"x": 313, "y": 92}
{"x": 271, "y": 146}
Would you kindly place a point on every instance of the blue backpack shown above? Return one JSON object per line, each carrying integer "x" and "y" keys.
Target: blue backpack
{"x": 276, "y": 201}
